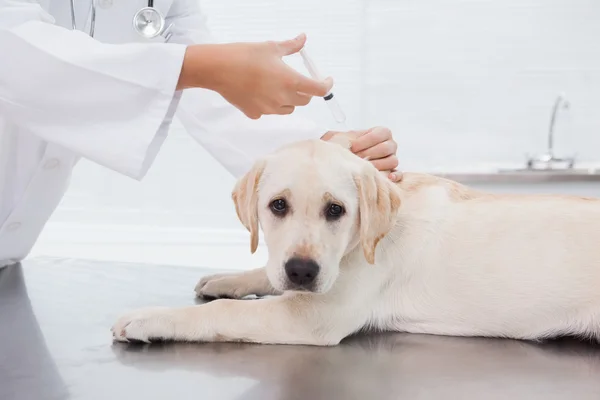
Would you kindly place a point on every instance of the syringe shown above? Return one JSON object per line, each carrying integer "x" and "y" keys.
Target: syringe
{"x": 329, "y": 98}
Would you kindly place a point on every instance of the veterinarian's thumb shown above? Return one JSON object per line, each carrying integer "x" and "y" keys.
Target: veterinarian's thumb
{"x": 288, "y": 47}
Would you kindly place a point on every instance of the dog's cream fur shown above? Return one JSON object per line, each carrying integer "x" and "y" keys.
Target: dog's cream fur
{"x": 426, "y": 255}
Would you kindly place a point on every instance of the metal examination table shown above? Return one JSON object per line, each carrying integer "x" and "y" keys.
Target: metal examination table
{"x": 55, "y": 316}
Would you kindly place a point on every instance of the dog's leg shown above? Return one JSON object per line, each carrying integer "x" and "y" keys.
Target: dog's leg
{"x": 236, "y": 285}
{"x": 286, "y": 319}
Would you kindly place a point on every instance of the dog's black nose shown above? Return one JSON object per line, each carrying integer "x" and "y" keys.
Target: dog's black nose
{"x": 301, "y": 271}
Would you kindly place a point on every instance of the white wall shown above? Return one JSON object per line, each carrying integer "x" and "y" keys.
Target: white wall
{"x": 463, "y": 85}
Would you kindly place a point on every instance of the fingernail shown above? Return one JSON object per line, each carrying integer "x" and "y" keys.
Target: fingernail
{"x": 393, "y": 177}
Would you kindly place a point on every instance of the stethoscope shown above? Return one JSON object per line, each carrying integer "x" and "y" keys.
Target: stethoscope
{"x": 148, "y": 22}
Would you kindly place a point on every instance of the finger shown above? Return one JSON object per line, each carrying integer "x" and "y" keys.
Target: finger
{"x": 395, "y": 176}
{"x": 371, "y": 138}
{"x": 253, "y": 115}
{"x": 350, "y": 135}
{"x": 386, "y": 164}
{"x": 381, "y": 150}
{"x": 354, "y": 134}
{"x": 278, "y": 110}
{"x": 300, "y": 99}
{"x": 288, "y": 47}
{"x": 313, "y": 87}
{"x": 285, "y": 110}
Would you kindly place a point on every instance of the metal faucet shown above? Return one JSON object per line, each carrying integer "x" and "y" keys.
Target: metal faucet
{"x": 548, "y": 159}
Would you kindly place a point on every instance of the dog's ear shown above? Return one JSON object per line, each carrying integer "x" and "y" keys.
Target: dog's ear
{"x": 245, "y": 198}
{"x": 379, "y": 202}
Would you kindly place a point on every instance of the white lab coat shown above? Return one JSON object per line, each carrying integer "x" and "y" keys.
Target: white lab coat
{"x": 109, "y": 99}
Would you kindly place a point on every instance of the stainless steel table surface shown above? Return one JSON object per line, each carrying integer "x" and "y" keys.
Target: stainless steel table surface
{"x": 55, "y": 343}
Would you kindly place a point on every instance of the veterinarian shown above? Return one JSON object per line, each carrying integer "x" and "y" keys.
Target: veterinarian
{"x": 102, "y": 80}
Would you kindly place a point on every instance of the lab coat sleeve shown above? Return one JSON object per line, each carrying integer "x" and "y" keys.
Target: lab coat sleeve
{"x": 234, "y": 140}
{"x": 104, "y": 102}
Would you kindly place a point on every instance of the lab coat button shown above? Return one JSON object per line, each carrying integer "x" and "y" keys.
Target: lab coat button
{"x": 52, "y": 163}
{"x": 105, "y": 3}
{"x": 13, "y": 226}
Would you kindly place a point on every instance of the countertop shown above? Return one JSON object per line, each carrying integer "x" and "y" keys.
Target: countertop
{"x": 55, "y": 316}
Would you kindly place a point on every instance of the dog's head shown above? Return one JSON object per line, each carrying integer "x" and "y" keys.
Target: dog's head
{"x": 315, "y": 202}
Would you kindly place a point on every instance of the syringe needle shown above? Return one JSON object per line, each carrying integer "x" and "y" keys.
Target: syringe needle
{"x": 329, "y": 98}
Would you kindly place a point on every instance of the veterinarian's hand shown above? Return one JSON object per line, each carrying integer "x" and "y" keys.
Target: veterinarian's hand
{"x": 375, "y": 144}
{"x": 252, "y": 76}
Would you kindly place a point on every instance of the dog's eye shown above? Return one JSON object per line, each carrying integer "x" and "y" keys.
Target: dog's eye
{"x": 279, "y": 206}
{"x": 334, "y": 211}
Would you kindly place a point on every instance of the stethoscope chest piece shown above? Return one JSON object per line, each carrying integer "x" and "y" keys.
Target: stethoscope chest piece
{"x": 148, "y": 22}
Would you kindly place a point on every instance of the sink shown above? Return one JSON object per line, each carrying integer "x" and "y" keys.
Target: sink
{"x": 542, "y": 169}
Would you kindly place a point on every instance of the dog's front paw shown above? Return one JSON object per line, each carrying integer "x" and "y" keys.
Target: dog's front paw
{"x": 146, "y": 324}
{"x": 220, "y": 286}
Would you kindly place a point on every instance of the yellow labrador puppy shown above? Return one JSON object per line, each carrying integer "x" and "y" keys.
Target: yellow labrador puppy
{"x": 350, "y": 250}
